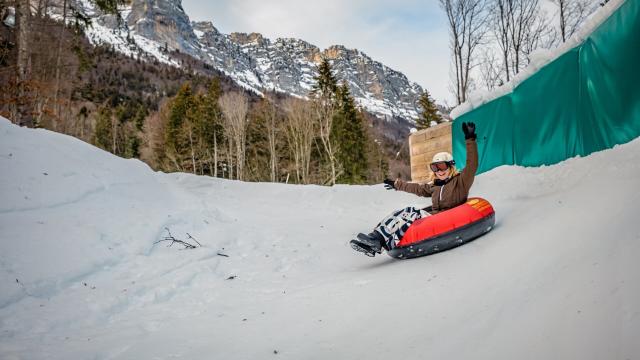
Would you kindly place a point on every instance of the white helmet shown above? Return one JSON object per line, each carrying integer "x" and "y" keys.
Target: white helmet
{"x": 442, "y": 157}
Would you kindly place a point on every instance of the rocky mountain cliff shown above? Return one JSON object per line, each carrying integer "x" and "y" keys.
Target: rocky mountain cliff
{"x": 156, "y": 28}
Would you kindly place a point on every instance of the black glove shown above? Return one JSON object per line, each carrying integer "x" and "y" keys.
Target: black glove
{"x": 469, "y": 130}
{"x": 389, "y": 184}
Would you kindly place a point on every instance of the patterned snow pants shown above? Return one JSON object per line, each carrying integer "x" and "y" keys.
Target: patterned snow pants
{"x": 393, "y": 227}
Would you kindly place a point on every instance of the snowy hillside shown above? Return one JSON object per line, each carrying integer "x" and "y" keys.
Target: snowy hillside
{"x": 81, "y": 276}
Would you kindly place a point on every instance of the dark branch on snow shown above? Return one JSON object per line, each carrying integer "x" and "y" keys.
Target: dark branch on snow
{"x": 194, "y": 239}
{"x": 173, "y": 240}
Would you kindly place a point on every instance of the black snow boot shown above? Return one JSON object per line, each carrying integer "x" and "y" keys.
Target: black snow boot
{"x": 360, "y": 247}
{"x": 374, "y": 241}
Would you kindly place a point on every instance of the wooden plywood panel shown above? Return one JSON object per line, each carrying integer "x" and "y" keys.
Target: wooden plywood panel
{"x": 421, "y": 148}
{"x": 422, "y": 160}
{"x": 420, "y": 173}
{"x": 438, "y": 131}
{"x": 423, "y": 145}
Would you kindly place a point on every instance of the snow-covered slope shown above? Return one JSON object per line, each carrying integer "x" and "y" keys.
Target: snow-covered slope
{"x": 81, "y": 276}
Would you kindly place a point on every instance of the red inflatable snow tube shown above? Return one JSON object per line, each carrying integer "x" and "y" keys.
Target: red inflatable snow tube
{"x": 446, "y": 230}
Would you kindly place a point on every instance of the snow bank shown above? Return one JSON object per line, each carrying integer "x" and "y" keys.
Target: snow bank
{"x": 81, "y": 274}
{"x": 539, "y": 59}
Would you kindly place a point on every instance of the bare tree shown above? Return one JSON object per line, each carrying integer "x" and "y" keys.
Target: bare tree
{"x": 189, "y": 128}
{"x": 271, "y": 123}
{"x": 29, "y": 30}
{"x": 541, "y": 35}
{"x": 490, "y": 70}
{"x": 571, "y": 15}
{"x": 154, "y": 153}
{"x": 324, "y": 114}
{"x": 229, "y": 152}
{"x": 467, "y": 26}
{"x": 215, "y": 116}
{"x": 300, "y": 134}
{"x": 501, "y": 28}
{"x": 524, "y": 15}
{"x": 41, "y": 8}
{"x": 58, "y": 58}
{"x": 518, "y": 27}
{"x": 235, "y": 106}
{"x": 324, "y": 100}
{"x": 23, "y": 21}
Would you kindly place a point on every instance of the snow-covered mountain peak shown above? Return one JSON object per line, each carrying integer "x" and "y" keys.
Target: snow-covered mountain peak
{"x": 204, "y": 27}
{"x": 252, "y": 38}
{"x": 336, "y": 51}
{"x": 288, "y": 65}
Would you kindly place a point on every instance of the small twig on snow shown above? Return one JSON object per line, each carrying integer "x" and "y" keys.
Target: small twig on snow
{"x": 194, "y": 239}
{"x": 173, "y": 240}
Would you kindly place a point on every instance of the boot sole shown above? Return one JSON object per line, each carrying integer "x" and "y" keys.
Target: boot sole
{"x": 357, "y": 246}
{"x": 366, "y": 240}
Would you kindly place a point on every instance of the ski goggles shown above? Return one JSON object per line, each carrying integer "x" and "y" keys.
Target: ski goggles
{"x": 441, "y": 166}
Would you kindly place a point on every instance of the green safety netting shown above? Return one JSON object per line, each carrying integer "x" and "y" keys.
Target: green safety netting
{"x": 586, "y": 100}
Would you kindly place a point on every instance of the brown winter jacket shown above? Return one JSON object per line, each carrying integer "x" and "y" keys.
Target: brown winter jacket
{"x": 455, "y": 190}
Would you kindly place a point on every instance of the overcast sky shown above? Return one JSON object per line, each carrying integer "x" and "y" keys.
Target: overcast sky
{"x": 407, "y": 35}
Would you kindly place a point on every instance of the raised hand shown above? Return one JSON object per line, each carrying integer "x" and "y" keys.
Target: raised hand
{"x": 469, "y": 130}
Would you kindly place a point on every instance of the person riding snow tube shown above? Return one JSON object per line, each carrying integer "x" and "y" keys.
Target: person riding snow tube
{"x": 445, "y": 230}
{"x": 448, "y": 188}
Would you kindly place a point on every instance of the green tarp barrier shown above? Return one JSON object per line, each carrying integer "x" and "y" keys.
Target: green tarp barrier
{"x": 586, "y": 100}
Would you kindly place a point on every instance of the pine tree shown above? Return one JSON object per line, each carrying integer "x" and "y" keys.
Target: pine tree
{"x": 349, "y": 132}
{"x": 132, "y": 149}
{"x": 326, "y": 85}
{"x": 103, "y": 134}
{"x": 177, "y": 136}
{"x": 264, "y": 139}
{"x": 429, "y": 112}
{"x": 324, "y": 94}
{"x": 140, "y": 114}
{"x": 126, "y": 118}
{"x": 210, "y": 132}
